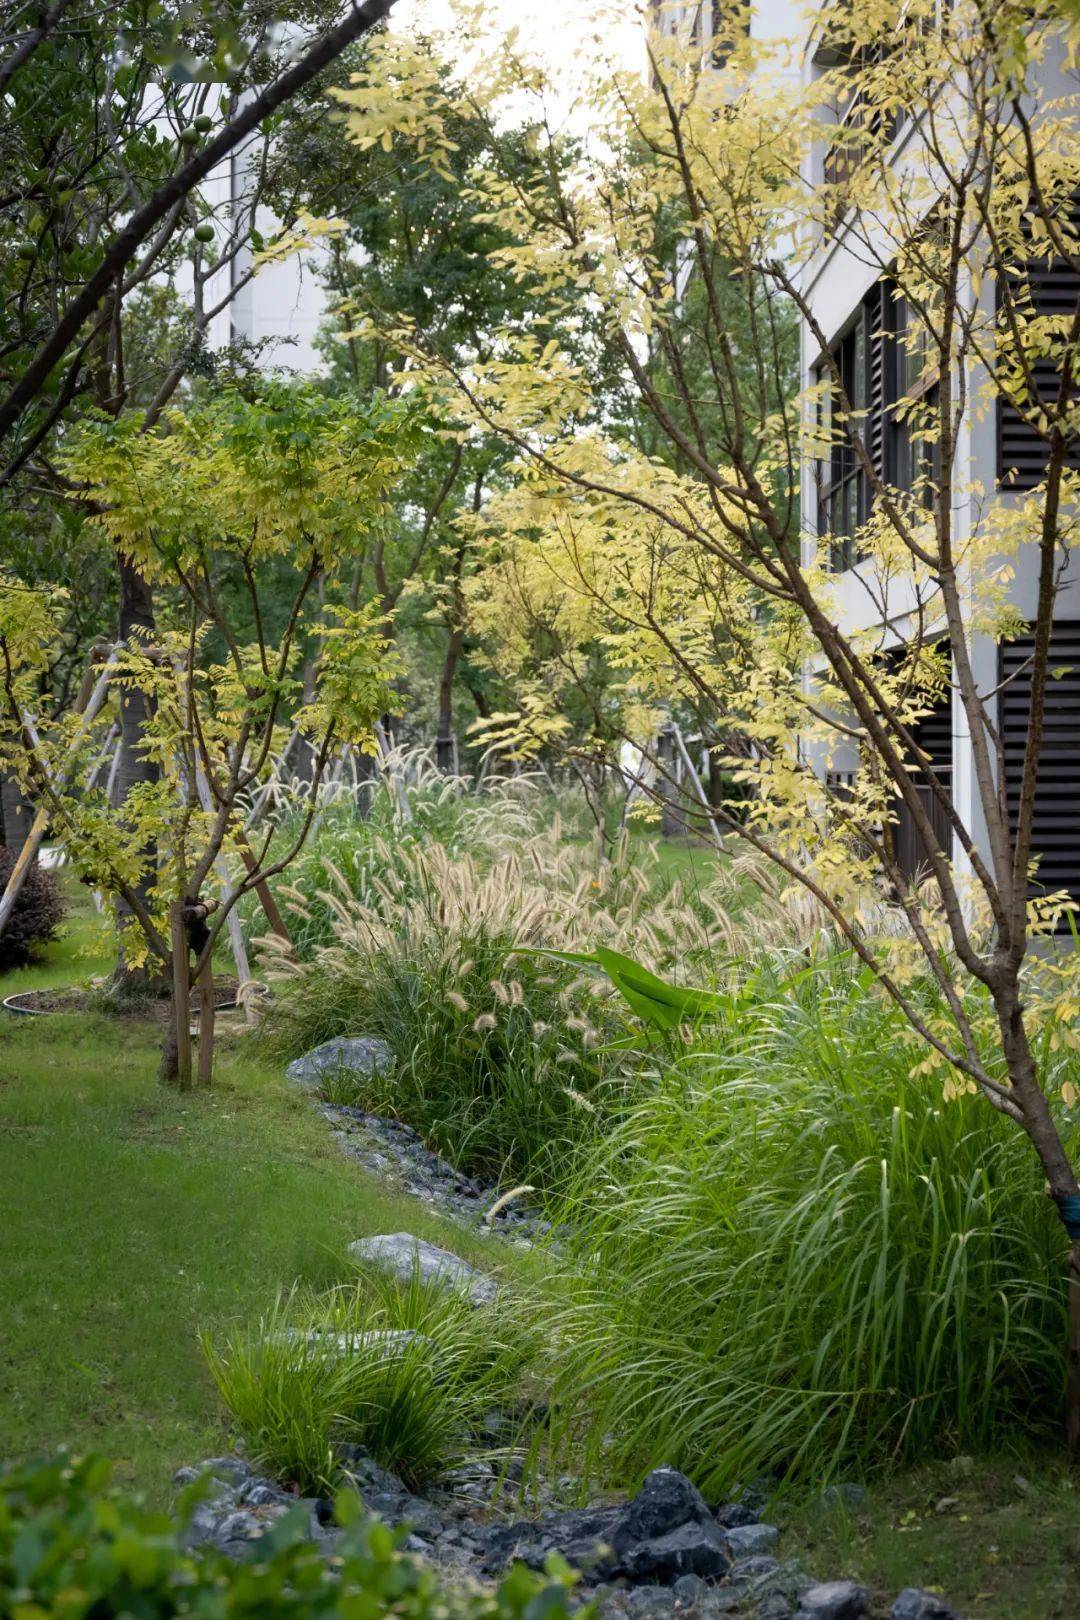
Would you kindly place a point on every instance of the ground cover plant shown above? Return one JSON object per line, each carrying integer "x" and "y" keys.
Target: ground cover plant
{"x": 424, "y": 1369}
{"x": 71, "y": 1546}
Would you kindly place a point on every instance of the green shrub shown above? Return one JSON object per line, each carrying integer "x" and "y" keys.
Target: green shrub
{"x": 415, "y": 1408}
{"x": 37, "y": 914}
{"x": 70, "y": 1547}
{"x": 793, "y": 1258}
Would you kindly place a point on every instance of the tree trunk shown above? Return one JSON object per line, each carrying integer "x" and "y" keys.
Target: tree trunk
{"x": 133, "y": 768}
{"x": 672, "y": 816}
{"x": 1072, "y": 1354}
{"x": 176, "y": 1052}
{"x": 444, "y": 735}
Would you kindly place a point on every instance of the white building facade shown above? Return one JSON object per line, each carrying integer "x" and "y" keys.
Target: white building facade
{"x": 998, "y": 460}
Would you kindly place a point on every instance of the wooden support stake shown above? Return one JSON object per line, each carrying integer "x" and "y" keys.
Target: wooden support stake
{"x": 262, "y": 889}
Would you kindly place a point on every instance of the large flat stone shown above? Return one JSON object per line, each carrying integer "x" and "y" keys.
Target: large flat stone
{"x": 404, "y": 1256}
{"x": 345, "y": 1054}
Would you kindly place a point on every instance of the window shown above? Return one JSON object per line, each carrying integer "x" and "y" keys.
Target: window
{"x": 1022, "y": 451}
{"x": 843, "y": 495}
{"x": 885, "y": 361}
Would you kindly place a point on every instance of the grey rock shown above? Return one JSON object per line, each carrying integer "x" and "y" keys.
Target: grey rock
{"x": 236, "y": 1533}
{"x": 774, "y": 1606}
{"x": 227, "y": 1470}
{"x": 733, "y": 1515}
{"x": 690, "y": 1588}
{"x": 834, "y": 1600}
{"x": 404, "y": 1255}
{"x": 384, "y": 1494}
{"x": 914, "y": 1603}
{"x": 755, "y": 1569}
{"x": 745, "y": 1540}
{"x": 648, "y": 1601}
{"x": 690, "y": 1549}
{"x": 202, "y": 1526}
{"x": 582, "y": 1536}
{"x": 357, "y": 1054}
{"x": 260, "y": 1493}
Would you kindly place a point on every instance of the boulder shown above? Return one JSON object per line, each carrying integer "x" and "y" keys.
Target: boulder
{"x": 915, "y": 1604}
{"x": 404, "y": 1255}
{"x": 748, "y": 1540}
{"x": 733, "y": 1515}
{"x": 834, "y": 1600}
{"x": 345, "y": 1054}
{"x": 667, "y": 1530}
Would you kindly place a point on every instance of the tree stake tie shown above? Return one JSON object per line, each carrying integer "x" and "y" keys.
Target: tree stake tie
{"x": 1068, "y": 1206}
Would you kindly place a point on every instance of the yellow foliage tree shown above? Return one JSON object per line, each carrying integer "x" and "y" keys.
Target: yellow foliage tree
{"x": 249, "y": 488}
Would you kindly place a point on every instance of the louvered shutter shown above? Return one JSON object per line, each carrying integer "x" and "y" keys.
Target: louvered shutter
{"x": 1056, "y": 831}
{"x": 1022, "y": 450}
{"x": 879, "y": 311}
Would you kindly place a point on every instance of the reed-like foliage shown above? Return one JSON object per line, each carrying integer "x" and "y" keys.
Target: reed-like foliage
{"x": 790, "y": 1258}
{"x": 413, "y": 1404}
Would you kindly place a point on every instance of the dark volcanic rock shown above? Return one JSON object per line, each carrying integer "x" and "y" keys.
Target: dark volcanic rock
{"x": 691, "y": 1549}
{"x": 733, "y": 1515}
{"x": 748, "y": 1540}
{"x": 583, "y": 1537}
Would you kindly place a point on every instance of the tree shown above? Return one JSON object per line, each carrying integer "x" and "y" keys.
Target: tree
{"x": 95, "y": 188}
{"x": 210, "y": 495}
{"x": 415, "y": 243}
{"x": 692, "y": 567}
{"x": 118, "y": 255}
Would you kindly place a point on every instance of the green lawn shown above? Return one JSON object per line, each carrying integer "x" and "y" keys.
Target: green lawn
{"x": 132, "y": 1218}
{"x": 999, "y": 1536}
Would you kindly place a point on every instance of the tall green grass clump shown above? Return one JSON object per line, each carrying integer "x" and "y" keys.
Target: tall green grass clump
{"x": 793, "y": 1259}
{"x": 404, "y": 1371}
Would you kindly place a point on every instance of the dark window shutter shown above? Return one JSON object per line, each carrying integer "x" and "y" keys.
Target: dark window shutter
{"x": 1056, "y": 832}
{"x": 933, "y": 734}
{"x": 878, "y": 308}
{"x": 1022, "y": 450}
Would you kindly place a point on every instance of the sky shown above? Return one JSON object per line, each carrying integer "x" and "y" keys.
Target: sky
{"x": 560, "y": 28}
